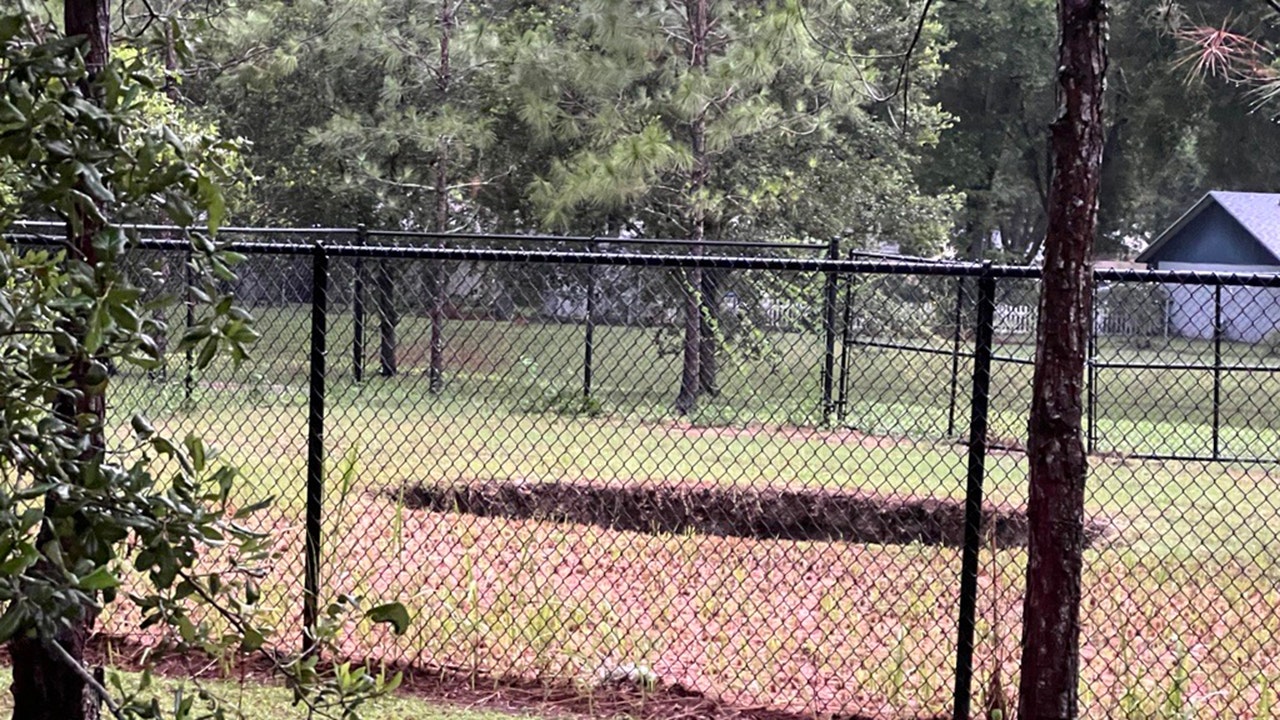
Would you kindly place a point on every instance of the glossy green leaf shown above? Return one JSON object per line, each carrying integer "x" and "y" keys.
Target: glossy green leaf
{"x": 394, "y": 613}
{"x": 100, "y": 579}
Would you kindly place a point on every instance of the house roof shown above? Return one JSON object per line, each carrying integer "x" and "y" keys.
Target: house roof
{"x": 1257, "y": 213}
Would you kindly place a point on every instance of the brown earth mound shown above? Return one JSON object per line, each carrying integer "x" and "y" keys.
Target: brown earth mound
{"x": 775, "y": 514}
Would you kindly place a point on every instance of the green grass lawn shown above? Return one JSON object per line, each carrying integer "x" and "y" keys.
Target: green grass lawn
{"x": 1186, "y": 585}
{"x": 254, "y": 701}
{"x": 887, "y": 391}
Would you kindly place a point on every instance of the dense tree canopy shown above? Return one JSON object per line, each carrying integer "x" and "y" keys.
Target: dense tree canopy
{"x": 572, "y": 116}
{"x": 1171, "y": 134}
{"x": 561, "y": 116}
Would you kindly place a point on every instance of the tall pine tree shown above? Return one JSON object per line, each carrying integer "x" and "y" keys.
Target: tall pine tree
{"x": 650, "y": 110}
{"x": 410, "y": 122}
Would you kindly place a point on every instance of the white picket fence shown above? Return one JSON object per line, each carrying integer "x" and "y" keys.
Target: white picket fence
{"x": 1010, "y": 320}
{"x": 784, "y": 315}
{"x": 1021, "y": 320}
{"x": 1015, "y": 319}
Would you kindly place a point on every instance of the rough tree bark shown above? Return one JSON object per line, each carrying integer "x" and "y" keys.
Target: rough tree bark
{"x": 46, "y": 686}
{"x": 1058, "y": 466}
{"x": 438, "y": 280}
{"x": 709, "y": 363}
{"x": 385, "y": 285}
{"x": 386, "y": 282}
{"x": 691, "y": 371}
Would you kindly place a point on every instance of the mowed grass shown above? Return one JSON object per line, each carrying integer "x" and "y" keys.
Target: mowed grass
{"x": 894, "y": 392}
{"x": 1180, "y": 602}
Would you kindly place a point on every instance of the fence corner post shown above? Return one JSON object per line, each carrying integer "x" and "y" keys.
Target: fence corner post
{"x": 1091, "y": 368}
{"x": 841, "y": 402}
{"x": 980, "y": 400}
{"x": 955, "y": 358}
{"x": 357, "y": 308}
{"x": 589, "y": 339}
{"x": 829, "y": 302}
{"x": 315, "y": 446}
{"x": 1217, "y": 367}
{"x": 189, "y": 306}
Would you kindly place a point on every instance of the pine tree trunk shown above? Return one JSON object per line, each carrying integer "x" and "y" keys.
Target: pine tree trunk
{"x": 711, "y": 333}
{"x": 1058, "y": 465}
{"x": 92, "y": 20}
{"x": 388, "y": 317}
{"x": 166, "y": 267}
{"x": 691, "y": 371}
{"x": 439, "y": 286}
{"x": 45, "y": 686}
{"x": 690, "y": 374}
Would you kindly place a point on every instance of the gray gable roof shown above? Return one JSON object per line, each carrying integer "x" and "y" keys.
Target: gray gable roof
{"x": 1258, "y": 213}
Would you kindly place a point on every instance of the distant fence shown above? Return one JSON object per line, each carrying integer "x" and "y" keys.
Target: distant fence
{"x": 832, "y": 528}
{"x": 1149, "y": 318}
{"x": 1015, "y": 320}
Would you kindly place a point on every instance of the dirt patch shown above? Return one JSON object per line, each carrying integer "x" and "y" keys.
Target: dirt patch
{"x": 766, "y": 514}
{"x": 455, "y": 687}
{"x": 532, "y": 612}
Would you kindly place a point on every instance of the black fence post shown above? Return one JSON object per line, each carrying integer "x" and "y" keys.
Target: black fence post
{"x": 357, "y": 309}
{"x": 189, "y": 374}
{"x": 955, "y": 358}
{"x": 386, "y": 319}
{"x": 589, "y": 341}
{"x": 439, "y": 298}
{"x": 829, "y": 301}
{"x": 973, "y": 491}
{"x": 846, "y": 325}
{"x": 315, "y": 446}
{"x": 1217, "y": 369}
{"x": 1091, "y": 377}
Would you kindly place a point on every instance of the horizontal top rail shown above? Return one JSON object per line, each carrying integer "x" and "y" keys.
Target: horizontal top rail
{"x": 1187, "y": 277}
{"x": 872, "y": 255}
{"x": 592, "y": 239}
{"x": 558, "y": 257}
{"x": 949, "y": 352}
{"x": 456, "y": 236}
{"x": 141, "y": 227}
{"x": 905, "y": 266}
{"x": 1225, "y": 367}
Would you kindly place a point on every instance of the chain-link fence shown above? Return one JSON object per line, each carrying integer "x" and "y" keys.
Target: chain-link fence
{"x": 492, "y": 436}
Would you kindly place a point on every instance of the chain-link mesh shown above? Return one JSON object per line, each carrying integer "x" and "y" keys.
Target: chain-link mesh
{"x": 505, "y": 455}
{"x": 1179, "y": 612}
{"x": 557, "y": 519}
{"x": 255, "y": 412}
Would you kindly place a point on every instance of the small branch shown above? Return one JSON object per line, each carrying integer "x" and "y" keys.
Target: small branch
{"x": 432, "y": 188}
{"x": 27, "y": 331}
{"x": 904, "y": 71}
{"x": 88, "y": 679}
{"x": 152, "y": 16}
{"x": 804, "y": 22}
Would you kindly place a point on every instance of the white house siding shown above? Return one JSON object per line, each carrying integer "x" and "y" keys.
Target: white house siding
{"x": 1249, "y": 314}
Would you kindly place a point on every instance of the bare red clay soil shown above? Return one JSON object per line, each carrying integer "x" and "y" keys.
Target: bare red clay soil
{"x": 453, "y": 687}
